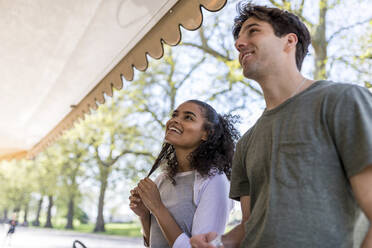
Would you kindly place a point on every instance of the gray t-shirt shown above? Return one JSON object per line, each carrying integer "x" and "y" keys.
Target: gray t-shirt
{"x": 178, "y": 199}
{"x": 295, "y": 163}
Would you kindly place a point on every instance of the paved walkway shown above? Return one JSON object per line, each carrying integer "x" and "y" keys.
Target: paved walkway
{"x": 29, "y": 237}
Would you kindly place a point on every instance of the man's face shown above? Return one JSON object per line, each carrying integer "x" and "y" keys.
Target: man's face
{"x": 259, "y": 49}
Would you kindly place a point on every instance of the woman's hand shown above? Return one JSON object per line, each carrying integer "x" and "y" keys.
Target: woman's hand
{"x": 149, "y": 194}
{"x": 136, "y": 204}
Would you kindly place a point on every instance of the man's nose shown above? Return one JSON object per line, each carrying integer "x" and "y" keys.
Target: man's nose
{"x": 239, "y": 44}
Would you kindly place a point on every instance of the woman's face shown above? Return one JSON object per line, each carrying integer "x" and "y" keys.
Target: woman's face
{"x": 185, "y": 128}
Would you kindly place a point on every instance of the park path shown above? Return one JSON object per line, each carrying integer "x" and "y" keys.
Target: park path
{"x": 29, "y": 237}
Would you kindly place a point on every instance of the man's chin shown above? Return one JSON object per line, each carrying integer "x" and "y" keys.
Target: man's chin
{"x": 249, "y": 74}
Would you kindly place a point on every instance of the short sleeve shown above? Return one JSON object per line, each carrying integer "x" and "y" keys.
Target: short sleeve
{"x": 239, "y": 180}
{"x": 159, "y": 179}
{"x": 351, "y": 128}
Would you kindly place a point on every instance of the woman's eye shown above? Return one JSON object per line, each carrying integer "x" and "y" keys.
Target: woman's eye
{"x": 188, "y": 117}
{"x": 173, "y": 115}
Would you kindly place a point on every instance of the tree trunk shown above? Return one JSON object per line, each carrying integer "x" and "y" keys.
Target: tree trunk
{"x": 5, "y": 219}
{"x": 48, "y": 223}
{"x": 320, "y": 44}
{"x": 100, "y": 222}
{"x": 36, "y": 222}
{"x": 25, "y": 221}
{"x": 70, "y": 214}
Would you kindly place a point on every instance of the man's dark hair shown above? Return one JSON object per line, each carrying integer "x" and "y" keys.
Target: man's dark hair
{"x": 282, "y": 21}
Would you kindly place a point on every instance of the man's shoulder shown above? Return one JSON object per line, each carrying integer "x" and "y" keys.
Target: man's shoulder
{"x": 334, "y": 91}
{"x": 336, "y": 88}
{"x": 244, "y": 141}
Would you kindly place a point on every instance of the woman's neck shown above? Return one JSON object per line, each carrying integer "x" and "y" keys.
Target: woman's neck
{"x": 183, "y": 161}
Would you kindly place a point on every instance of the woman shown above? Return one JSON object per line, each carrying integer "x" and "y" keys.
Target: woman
{"x": 191, "y": 195}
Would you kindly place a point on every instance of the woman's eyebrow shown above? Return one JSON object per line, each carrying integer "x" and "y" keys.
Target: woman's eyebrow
{"x": 189, "y": 112}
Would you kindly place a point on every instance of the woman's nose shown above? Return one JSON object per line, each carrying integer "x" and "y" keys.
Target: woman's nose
{"x": 173, "y": 120}
{"x": 176, "y": 119}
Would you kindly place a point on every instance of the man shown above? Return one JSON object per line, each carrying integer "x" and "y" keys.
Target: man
{"x": 304, "y": 170}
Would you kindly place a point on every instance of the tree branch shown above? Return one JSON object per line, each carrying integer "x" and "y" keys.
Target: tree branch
{"x": 342, "y": 59}
{"x": 276, "y": 4}
{"x": 218, "y": 93}
{"x": 208, "y": 50}
{"x": 194, "y": 67}
{"x": 137, "y": 153}
{"x": 348, "y": 27}
{"x": 146, "y": 109}
{"x": 252, "y": 88}
{"x": 99, "y": 160}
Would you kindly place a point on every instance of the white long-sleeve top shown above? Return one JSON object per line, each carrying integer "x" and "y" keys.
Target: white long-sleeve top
{"x": 211, "y": 197}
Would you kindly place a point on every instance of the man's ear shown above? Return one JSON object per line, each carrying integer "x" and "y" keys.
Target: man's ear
{"x": 291, "y": 42}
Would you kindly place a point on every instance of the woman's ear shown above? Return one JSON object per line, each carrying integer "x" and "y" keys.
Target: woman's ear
{"x": 204, "y": 136}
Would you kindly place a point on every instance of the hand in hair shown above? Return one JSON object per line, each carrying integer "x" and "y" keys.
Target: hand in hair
{"x": 149, "y": 193}
{"x": 136, "y": 204}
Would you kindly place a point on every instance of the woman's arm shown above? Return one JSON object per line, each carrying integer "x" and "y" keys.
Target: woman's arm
{"x": 150, "y": 196}
{"x": 167, "y": 224}
{"x": 230, "y": 240}
{"x": 146, "y": 222}
{"x": 213, "y": 209}
{"x": 137, "y": 206}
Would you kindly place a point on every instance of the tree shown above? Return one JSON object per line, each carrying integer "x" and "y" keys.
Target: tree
{"x": 46, "y": 180}
{"x": 331, "y": 47}
{"x": 15, "y": 192}
{"x": 72, "y": 156}
{"x": 109, "y": 136}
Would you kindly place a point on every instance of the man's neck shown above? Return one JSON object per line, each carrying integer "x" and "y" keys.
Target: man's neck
{"x": 278, "y": 88}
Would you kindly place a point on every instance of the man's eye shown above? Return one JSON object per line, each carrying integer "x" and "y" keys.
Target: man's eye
{"x": 253, "y": 30}
{"x": 173, "y": 115}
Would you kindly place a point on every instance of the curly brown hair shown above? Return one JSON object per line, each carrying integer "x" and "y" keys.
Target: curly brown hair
{"x": 213, "y": 156}
{"x": 282, "y": 21}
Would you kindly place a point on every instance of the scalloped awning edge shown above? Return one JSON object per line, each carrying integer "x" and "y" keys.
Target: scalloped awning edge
{"x": 185, "y": 13}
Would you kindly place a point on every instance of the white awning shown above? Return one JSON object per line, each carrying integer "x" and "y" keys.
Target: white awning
{"x": 57, "y": 58}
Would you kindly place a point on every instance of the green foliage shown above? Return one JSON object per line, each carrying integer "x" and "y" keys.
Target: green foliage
{"x": 117, "y": 229}
{"x": 81, "y": 216}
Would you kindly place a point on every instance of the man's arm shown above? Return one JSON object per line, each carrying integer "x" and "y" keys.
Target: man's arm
{"x": 233, "y": 238}
{"x": 361, "y": 184}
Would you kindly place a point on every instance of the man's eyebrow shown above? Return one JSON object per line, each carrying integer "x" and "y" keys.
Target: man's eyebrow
{"x": 247, "y": 27}
{"x": 250, "y": 25}
{"x": 189, "y": 112}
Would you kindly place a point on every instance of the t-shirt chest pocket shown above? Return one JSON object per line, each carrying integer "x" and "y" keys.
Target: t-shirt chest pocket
{"x": 294, "y": 165}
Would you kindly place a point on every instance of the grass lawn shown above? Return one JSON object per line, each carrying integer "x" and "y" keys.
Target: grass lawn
{"x": 119, "y": 229}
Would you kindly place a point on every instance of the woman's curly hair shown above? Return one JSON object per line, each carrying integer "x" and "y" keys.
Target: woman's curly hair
{"x": 213, "y": 156}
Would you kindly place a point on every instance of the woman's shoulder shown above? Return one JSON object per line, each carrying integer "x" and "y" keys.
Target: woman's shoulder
{"x": 211, "y": 187}
{"x": 160, "y": 178}
{"x": 217, "y": 179}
